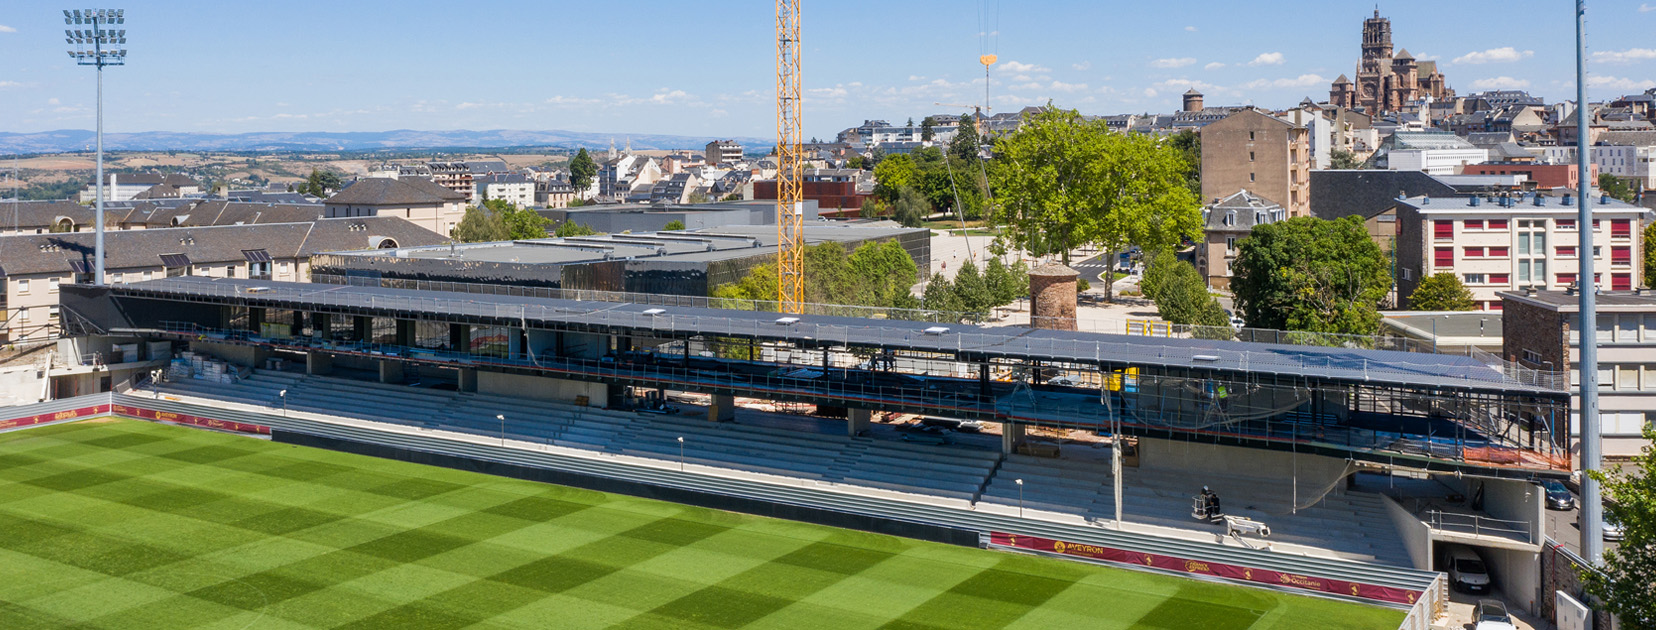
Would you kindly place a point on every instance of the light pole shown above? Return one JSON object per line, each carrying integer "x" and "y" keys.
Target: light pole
{"x": 107, "y": 49}
{"x": 1020, "y": 498}
{"x": 502, "y": 418}
{"x": 283, "y": 394}
{"x": 681, "y": 453}
{"x": 1592, "y": 523}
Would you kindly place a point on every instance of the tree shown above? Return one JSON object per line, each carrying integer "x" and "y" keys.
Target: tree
{"x": 1650, "y": 255}
{"x": 966, "y": 144}
{"x": 855, "y": 161}
{"x": 582, "y": 170}
{"x": 320, "y": 182}
{"x": 481, "y": 225}
{"x": 1311, "y": 275}
{"x": 928, "y": 129}
{"x": 1007, "y": 284}
{"x": 1189, "y": 144}
{"x": 521, "y": 223}
{"x": 876, "y": 274}
{"x": 1180, "y": 293}
{"x": 673, "y": 226}
{"x": 1616, "y": 187}
{"x": 911, "y": 209}
{"x": 1625, "y": 582}
{"x": 1344, "y": 160}
{"x": 893, "y": 174}
{"x": 975, "y": 296}
{"x": 1062, "y": 181}
{"x": 1441, "y": 292}
{"x": 571, "y": 228}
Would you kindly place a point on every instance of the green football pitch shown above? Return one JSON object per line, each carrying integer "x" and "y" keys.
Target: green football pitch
{"x": 126, "y": 524}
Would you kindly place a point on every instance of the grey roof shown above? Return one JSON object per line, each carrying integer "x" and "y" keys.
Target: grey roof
{"x": 158, "y": 191}
{"x": 1365, "y": 193}
{"x": 1488, "y": 138}
{"x": 179, "y": 180}
{"x": 58, "y": 253}
{"x": 1426, "y": 140}
{"x": 486, "y": 166}
{"x": 209, "y": 213}
{"x": 1565, "y": 302}
{"x": 384, "y": 191}
{"x": 1243, "y": 209}
{"x": 135, "y": 179}
{"x": 30, "y": 215}
{"x": 1629, "y": 138}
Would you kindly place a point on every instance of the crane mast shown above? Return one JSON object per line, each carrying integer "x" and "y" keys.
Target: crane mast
{"x": 790, "y": 194}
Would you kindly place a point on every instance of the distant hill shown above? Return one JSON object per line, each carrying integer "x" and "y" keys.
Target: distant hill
{"x": 72, "y": 140}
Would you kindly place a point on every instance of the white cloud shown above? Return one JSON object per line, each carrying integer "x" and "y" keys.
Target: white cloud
{"x": 1619, "y": 83}
{"x": 1083, "y": 66}
{"x": 1500, "y": 83}
{"x": 1301, "y": 81}
{"x": 10, "y": 84}
{"x": 1268, "y": 59}
{"x": 1060, "y": 86}
{"x": 1624, "y": 56}
{"x": 1190, "y": 28}
{"x": 1646, "y": 8}
{"x": 1213, "y": 66}
{"x": 1150, "y": 92}
{"x": 1505, "y": 54}
{"x": 1172, "y": 62}
{"x": 572, "y": 100}
{"x": 7, "y": 29}
{"x": 53, "y": 101}
{"x": 1024, "y": 68}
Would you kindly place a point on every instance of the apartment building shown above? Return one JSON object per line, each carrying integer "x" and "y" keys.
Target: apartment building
{"x": 515, "y": 188}
{"x": 418, "y": 200}
{"x": 1543, "y": 330}
{"x": 1255, "y": 151}
{"x": 33, "y": 266}
{"x": 129, "y": 186}
{"x": 723, "y": 152}
{"x": 1227, "y": 223}
{"x": 1500, "y": 243}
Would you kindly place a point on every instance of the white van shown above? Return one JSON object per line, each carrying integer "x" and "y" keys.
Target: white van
{"x": 1467, "y": 571}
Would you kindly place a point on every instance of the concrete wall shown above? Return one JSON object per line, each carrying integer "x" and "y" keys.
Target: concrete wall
{"x": 541, "y": 388}
{"x": 1208, "y": 463}
{"x": 20, "y": 385}
{"x": 1416, "y": 536}
{"x": 1518, "y": 575}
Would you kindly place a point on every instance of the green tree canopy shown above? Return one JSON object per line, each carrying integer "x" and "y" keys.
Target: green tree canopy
{"x": 582, "y": 170}
{"x": 571, "y": 228}
{"x": 1650, "y": 255}
{"x": 320, "y": 182}
{"x": 673, "y": 226}
{"x": 967, "y": 144}
{"x": 1311, "y": 275}
{"x": 893, "y": 174}
{"x": 1344, "y": 160}
{"x": 1441, "y": 292}
{"x": 1180, "y": 293}
{"x": 1189, "y": 145}
{"x": 911, "y": 208}
{"x": 1616, "y": 187}
{"x": 480, "y": 225}
{"x": 500, "y": 220}
{"x": 875, "y": 274}
{"x": 1625, "y": 585}
{"x": 928, "y": 129}
{"x": 1062, "y": 181}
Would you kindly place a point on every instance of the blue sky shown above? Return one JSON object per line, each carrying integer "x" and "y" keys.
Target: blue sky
{"x": 706, "y": 68}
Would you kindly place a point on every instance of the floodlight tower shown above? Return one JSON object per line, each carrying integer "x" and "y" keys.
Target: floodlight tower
{"x": 99, "y": 47}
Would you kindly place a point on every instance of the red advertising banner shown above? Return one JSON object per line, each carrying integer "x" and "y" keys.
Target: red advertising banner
{"x": 1227, "y": 571}
{"x": 167, "y": 416}
{"x": 72, "y": 414}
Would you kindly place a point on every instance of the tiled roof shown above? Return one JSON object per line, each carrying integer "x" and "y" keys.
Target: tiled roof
{"x": 384, "y": 191}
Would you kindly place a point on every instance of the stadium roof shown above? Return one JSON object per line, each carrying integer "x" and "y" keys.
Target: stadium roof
{"x": 1348, "y": 365}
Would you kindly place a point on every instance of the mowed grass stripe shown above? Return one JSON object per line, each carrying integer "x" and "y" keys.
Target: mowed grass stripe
{"x": 148, "y": 525}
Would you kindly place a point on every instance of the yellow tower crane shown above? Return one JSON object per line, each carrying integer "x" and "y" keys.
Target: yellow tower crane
{"x": 790, "y": 172}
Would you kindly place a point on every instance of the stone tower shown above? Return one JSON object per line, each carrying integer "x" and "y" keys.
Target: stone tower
{"x": 1193, "y": 101}
{"x": 1377, "y": 42}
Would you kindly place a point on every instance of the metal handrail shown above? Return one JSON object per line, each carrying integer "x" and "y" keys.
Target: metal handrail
{"x": 1478, "y": 524}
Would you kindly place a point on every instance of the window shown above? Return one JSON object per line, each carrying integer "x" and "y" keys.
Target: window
{"x": 1251, "y": 177}
{"x": 1474, "y": 224}
{"x": 1500, "y": 252}
{"x": 1565, "y": 224}
{"x": 1474, "y": 278}
{"x": 148, "y": 275}
{"x": 1566, "y": 252}
{"x": 52, "y": 314}
{"x": 1497, "y": 224}
{"x": 1621, "y": 228}
{"x": 1627, "y": 377}
{"x": 1501, "y": 278}
{"x": 1532, "y": 357}
{"x": 116, "y": 278}
{"x": 52, "y": 285}
{"x": 1443, "y": 230}
{"x": 23, "y": 286}
{"x": 1230, "y": 244}
{"x": 1250, "y": 156}
{"x": 1621, "y": 282}
{"x": 1444, "y": 257}
{"x": 1493, "y": 306}
{"x": 1621, "y": 255}
{"x": 1250, "y": 136}
{"x": 1473, "y": 252}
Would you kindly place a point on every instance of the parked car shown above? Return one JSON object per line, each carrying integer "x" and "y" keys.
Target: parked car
{"x": 1558, "y": 496}
{"x": 1491, "y": 614}
{"x": 1467, "y": 571}
{"x": 962, "y": 426}
{"x": 1612, "y": 528}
